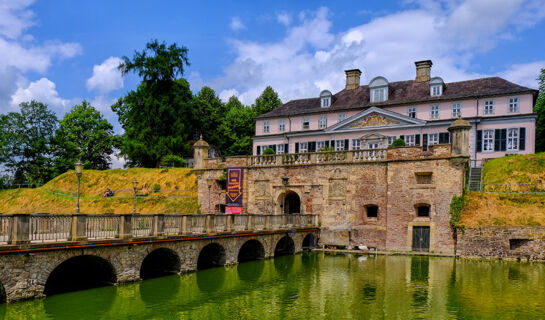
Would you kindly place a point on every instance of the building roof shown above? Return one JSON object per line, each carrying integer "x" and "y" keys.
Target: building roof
{"x": 399, "y": 93}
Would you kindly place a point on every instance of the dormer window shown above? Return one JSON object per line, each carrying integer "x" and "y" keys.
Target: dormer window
{"x": 436, "y": 87}
{"x": 378, "y": 89}
{"x": 325, "y": 98}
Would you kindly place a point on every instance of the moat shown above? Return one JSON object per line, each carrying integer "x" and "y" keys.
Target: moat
{"x": 314, "y": 286}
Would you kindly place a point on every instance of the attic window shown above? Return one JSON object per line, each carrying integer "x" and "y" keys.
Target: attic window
{"x": 378, "y": 89}
{"x": 436, "y": 87}
{"x": 325, "y": 99}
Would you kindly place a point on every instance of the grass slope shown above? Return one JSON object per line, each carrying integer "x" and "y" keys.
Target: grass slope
{"x": 178, "y": 193}
{"x": 481, "y": 209}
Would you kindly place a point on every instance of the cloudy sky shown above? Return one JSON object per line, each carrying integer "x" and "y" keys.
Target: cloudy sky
{"x": 63, "y": 51}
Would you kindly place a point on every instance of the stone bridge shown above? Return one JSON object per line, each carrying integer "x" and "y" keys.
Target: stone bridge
{"x": 42, "y": 255}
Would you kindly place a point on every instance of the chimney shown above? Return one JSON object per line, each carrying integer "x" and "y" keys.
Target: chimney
{"x": 352, "y": 79}
{"x": 423, "y": 69}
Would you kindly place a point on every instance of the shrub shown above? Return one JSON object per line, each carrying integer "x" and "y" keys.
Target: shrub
{"x": 268, "y": 151}
{"x": 456, "y": 206}
{"x": 156, "y": 187}
{"x": 398, "y": 143}
{"x": 324, "y": 149}
{"x": 172, "y": 161}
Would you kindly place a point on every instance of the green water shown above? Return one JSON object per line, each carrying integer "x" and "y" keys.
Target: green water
{"x": 315, "y": 286}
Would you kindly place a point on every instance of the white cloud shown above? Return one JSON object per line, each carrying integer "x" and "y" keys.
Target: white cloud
{"x": 311, "y": 58}
{"x": 283, "y": 18}
{"x": 236, "y": 24}
{"x": 15, "y": 17}
{"x": 43, "y": 90}
{"x": 106, "y": 77}
{"x": 524, "y": 74}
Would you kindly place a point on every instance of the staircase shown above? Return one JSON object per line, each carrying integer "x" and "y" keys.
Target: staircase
{"x": 475, "y": 176}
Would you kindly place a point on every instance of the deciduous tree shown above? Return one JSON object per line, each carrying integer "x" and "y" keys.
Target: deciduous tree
{"x": 540, "y": 110}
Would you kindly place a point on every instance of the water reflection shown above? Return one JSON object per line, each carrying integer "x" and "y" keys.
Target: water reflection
{"x": 283, "y": 265}
{"x": 250, "y": 271}
{"x": 81, "y": 303}
{"x": 369, "y": 292}
{"x": 211, "y": 280}
{"x": 170, "y": 286}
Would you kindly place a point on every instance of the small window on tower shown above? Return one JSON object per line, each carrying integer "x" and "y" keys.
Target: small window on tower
{"x": 423, "y": 177}
{"x": 372, "y": 211}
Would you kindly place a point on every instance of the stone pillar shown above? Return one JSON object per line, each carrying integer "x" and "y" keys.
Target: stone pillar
{"x": 78, "y": 227}
{"x": 158, "y": 225}
{"x": 200, "y": 152}
{"x": 125, "y": 226}
{"x": 250, "y": 223}
{"x": 459, "y": 137}
{"x": 20, "y": 230}
{"x": 184, "y": 224}
{"x": 209, "y": 223}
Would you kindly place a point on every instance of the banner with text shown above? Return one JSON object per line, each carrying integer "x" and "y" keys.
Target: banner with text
{"x": 233, "y": 201}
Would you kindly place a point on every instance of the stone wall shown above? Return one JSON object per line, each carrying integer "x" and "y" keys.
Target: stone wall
{"x": 502, "y": 242}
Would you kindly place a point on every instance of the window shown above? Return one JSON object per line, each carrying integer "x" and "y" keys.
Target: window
{"x": 391, "y": 140}
{"x": 411, "y": 112}
{"x": 433, "y": 138}
{"x": 279, "y": 148}
{"x": 266, "y": 126}
{"x": 326, "y": 102}
{"x": 512, "y": 139}
{"x": 320, "y": 145}
{"x": 322, "y": 123}
{"x": 339, "y": 145}
{"x": 356, "y": 144}
{"x": 372, "y": 211}
{"x": 325, "y": 98}
{"x": 281, "y": 125}
{"x": 423, "y": 177}
{"x": 341, "y": 117}
{"x": 303, "y": 147}
{"x": 456, "y": 110}
{"x": 513, "y": 105}
{"x": 489, "y": 107}
{"x": 488, "y": 140}
{"x": 409, "y": 139}
{"x": 306, "y": 123}
{"x": 423, "y": 210}
{"x": 434, "y": 112}
{"x": 378, "y": 95}
{"x": 436, "y": 90}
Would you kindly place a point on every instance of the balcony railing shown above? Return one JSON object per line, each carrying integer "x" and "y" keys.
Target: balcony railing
{"x": 41, "y": 228}
{"x": 366, "y": 155}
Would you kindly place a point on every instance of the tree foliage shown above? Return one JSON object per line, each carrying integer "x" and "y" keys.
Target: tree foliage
{"x": 25, "y": 140}
{"x": 539, "y": 109}
{"x": 397, "y": 143}
{"x": 85, "y": 135}
{"x": 210, "y": 113}
{"x": 267, "y": 101}
{"x": 237, "y": 129}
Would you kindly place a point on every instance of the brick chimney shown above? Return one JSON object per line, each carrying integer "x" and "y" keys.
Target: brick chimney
{"x": 423, "y": 69}
{"x": 352, "y": 78}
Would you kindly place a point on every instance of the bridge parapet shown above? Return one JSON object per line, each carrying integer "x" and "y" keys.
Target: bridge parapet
{"x": 22, "y": 229}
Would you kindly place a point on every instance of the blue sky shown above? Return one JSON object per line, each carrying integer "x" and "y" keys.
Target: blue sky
{"x": 61, "y": 51}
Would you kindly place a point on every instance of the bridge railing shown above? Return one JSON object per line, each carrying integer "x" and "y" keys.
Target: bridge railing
{"x": 43, "y": 228}
{"x": 337, "y": 156}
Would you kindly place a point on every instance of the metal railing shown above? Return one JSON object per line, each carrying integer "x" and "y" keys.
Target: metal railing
{"x": 41, "y": 228}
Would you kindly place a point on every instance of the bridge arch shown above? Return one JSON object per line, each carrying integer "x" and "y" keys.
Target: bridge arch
{"x": 160, "y": 262}
{"x": 3, "y": 297}
{"x": 212, "y": 255}
{"x": 251, "y": 250}
{"x": 285, "y": 246}
{"x": 80, "y": 273}
{"x": 310, "y": 241}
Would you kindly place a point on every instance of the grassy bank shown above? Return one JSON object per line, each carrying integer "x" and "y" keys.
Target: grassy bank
{"x": 482, "y": 209}
{"x": 159, "y": 190}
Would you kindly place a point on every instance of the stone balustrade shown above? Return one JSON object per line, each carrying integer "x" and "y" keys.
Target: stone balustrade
{"x": 41, "y": 228}
{"x": 327, "y": 157}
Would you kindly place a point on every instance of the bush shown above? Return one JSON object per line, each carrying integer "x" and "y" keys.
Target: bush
{"x": 268, "y": 151}
{"x": 172, "y": 161}
{"x": 324, "y": 149}
{"x": 156, "y": 187}
{"x": 398, "y": 143}
{"x": 456, "y": 206}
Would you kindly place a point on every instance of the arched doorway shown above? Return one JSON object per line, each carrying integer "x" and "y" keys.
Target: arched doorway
{"x": 251, "y": 250}
{"x": 290, "y": 199}
{"x": 212, "y": 255}
{"x": 160, "y": 262}
{"x": 284, "y": 247}
{"x": 80, "y": 273}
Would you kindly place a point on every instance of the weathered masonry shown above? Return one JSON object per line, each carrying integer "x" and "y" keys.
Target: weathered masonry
{"x": 390, "y": 199}
{"x": 44, "y": 255}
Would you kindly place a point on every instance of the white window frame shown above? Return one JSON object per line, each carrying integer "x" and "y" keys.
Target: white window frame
{"x": 488, "y": 107}
{"x": 488, "y": 140}
{"x": 266, "y": 126}
{"x": 456, "y": 110}
{"x": 322, "y": 122}
{"x": 341, "y": 117}
{"x": 356, "y": 144}
{"x": 379, "y": 94}
{"x": 326, "y": 102}
{"x": 514, "y": 105}
{"x": 281, "y": 125}
{"x": 512, "y": 142}
{"x": 320, "y": 145}
{"x": 436, "y": 90}
{"x": 339, "y": 145}
{"x": 409, "y": 139}
{"x": 433, "y": 138}
{"x": 303, "y": 147}
{"x": 434, "y": 112}
{"x": 391, "y": 140}
{"x": 411, "y": 110}
{"x": 307, "y": 121}
{"x": 280, "y": 148}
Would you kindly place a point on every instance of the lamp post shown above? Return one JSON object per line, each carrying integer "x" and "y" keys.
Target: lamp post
{"x": 79, "y": 172}
{"x": 134, "y": 185}
{"x": 209, "y": 181}
{"x": 285, "y": 181}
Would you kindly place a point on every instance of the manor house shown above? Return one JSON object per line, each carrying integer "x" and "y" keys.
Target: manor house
{"x": 418, "y": 111}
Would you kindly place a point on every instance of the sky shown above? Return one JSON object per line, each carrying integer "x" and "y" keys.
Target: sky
{"x": 61, "y": 51}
